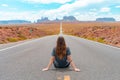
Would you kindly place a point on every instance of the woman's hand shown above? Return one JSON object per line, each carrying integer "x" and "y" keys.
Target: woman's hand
{"x": 45, "y": 69}
{"x": 76, "y": 69}
{"x": 50, "y": 63}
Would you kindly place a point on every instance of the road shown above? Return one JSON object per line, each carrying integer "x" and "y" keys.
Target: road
{"x": 25, "y": 61}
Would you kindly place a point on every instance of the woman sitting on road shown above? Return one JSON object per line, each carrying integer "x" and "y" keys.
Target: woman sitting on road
{"x": 61, "y": 56}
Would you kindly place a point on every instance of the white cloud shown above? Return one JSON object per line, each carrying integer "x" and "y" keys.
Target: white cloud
{"x": 78, "y": 4}
{"x": 117, "y": 6}
{"x": 93, "y": 10}
{"x": 68, "y": 9}
{"x": 63, "y": 1}
{"x": 65, "y": 9}
{"x": 4, "y": 5}
{"x": 21, "y": 15}
{"x": 33, "y": 15}
{"x": 105, "y": 9}
{"x": 48, "y": 1}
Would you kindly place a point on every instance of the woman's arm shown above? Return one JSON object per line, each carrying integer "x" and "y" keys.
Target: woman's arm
{"x": 50, "y": 63}
{"x": 72, "y": 63}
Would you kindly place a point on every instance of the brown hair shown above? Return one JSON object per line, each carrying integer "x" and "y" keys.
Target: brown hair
{"x": 61, "y": 47}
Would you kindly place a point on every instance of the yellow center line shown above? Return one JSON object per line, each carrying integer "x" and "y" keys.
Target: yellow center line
{"x": 66, "y": 77}
{"x": 59, "y": 78}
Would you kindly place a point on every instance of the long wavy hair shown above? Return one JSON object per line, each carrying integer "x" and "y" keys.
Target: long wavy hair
{"x": 61, "y": 47}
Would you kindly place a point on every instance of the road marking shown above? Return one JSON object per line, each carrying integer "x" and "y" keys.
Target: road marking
{"x": 93, "y": 41}
{"x": 59, "y": 78}
{"x": 19, "y": 44}
{"x": 13, "y": 46}
{"x": 61, "y": 28}
{"x": 66, "y": 77}
{"x": 23, "y": 43}
{"x": 61, "y": 32}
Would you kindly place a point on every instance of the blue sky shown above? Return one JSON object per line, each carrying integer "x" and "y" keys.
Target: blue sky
{"x": 82, "y": 9}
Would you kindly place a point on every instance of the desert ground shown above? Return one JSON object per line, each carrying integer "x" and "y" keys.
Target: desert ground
{"x": 104, "y": 32}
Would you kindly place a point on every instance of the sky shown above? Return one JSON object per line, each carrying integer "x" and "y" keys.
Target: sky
{"x": 85, "y": 10}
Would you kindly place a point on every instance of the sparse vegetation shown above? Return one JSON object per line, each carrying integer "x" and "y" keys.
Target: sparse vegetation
{"x": 17, "y": 32}
{"x": 101, "y": 40}
{"x": 21, "y": 37}
{"x": 12, "y": 39}
{"x": 108, "y": 33}
{"x": 103, "y": 32}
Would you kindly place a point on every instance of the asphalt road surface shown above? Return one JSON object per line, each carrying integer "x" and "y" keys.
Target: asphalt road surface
{"x": 24, "y": 61}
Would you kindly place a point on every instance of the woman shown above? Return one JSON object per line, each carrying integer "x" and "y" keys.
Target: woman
{"x": 61, "y": 56}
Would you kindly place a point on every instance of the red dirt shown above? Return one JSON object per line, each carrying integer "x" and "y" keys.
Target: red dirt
{"x": 14, "y": 33}
{"x": 108, "y": 33}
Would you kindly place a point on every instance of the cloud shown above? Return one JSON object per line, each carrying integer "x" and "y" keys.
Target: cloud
{"x": 68, "y": 9}
{"x": 65, "y": 9}
{"x": 19, "y": 15}
{"x": 85, "y": 16}
{"x": 93, "y": 9}
{"x": 78, "y": 4}
{"x": 105, "y": 9}
{"x": 4, "y": 5}
{"x": 117, "y": 6}
{"x": 34, "y": 15}
{"x": 48, "y": 1}
{"x": 63, "y": 1}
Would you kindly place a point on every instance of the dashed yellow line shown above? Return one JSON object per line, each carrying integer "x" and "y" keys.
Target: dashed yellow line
{"x": 59, "y": 78}
{"x": 67, "y": 77}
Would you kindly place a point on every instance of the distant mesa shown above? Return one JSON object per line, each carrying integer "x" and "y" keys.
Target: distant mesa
{"x": 73, "y": 19}
{"x": 56, "y": 20}
{"x": 14, "y": 21}
{"x": 69, "y": 18}
{"x": 65, "y": 19}
{"x": 43, "y": 19}
{"x": 105, "y": 20}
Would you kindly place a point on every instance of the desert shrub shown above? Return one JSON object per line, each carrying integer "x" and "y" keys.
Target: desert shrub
{"x": 101, "y": 40}
{"x": 12, "y": 39}
{"x": 91, "y": 38}
{"x": 21, "y": 37}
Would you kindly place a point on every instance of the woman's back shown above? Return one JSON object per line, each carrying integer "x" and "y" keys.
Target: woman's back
{"x": 61, "y": 62}
{"x": 61, "y": 56}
